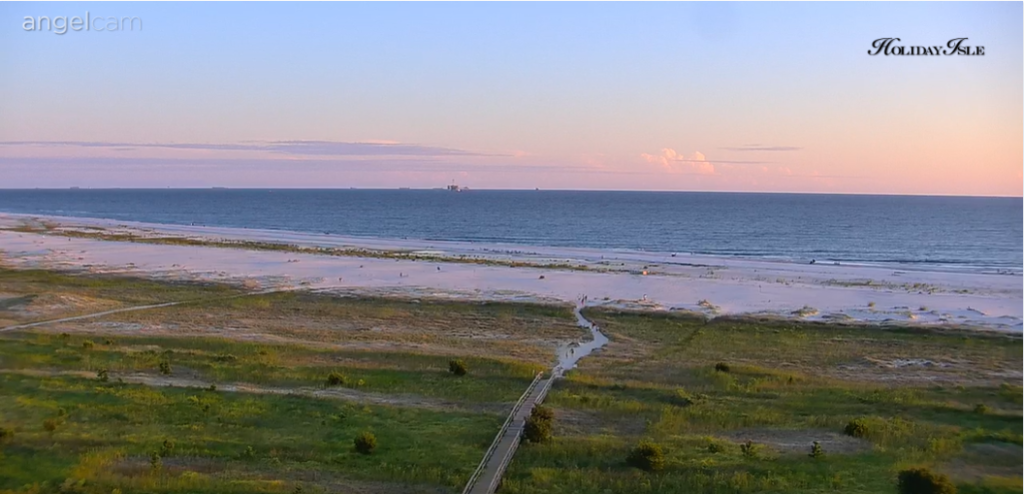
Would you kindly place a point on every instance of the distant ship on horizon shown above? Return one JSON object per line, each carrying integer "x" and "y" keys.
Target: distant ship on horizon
{"x": 456, "y": 188}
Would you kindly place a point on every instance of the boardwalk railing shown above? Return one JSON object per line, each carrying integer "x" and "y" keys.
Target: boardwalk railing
{"x": 501, "y": 433}
{"x": 515, "y": 445}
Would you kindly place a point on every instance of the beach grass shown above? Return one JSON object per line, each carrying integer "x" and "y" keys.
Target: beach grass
{"x": 105, "y": 436}
{"x": 266, "y": 393}
{"x": 947, "y": 400}
{"x": 220, "y": 361}
{"x": 258, "y": 393}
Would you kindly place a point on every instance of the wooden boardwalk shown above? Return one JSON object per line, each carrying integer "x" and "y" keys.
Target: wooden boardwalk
{"x": 488, "y": 475}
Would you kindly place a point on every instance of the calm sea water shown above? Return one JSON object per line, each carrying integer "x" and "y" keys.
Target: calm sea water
{"x": 947, "y": 232}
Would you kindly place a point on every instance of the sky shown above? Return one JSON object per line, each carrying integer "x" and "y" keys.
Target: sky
{"x": 766, "y": 97}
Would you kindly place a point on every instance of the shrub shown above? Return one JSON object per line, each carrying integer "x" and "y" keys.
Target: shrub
{"x": 88, "y": 345}
{"x": 714, "y": 447}
{"x": 366, "y": 443}
{"x": 538, "y": 428}
{"x": 682, "y": 398}
{"x": 335, "y": 379}
{"x": 646, "y": 456}
{"x": 542, "y": 412}
{"x": 165, "y": 368}
{"x": 457, "y": 367}
{"x": 749, "y": 449}
{"x": 722, "y": 367}
{"x": 856, "y": 428}
{"x": 155, "y": 462}
{"x": 249, "y": 453}
{"x": 102, "y": 375}
{"x": 166, "y": 448}
{"x": 816, "y": 451}
{"x": 6, "y": 435}
{"x": 980, "y": 408}
{"x": 924, "y": 481}
{"x": 50, "y": 425}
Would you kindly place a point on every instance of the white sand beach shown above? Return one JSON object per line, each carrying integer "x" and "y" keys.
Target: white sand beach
{"x": 710, "y": 285}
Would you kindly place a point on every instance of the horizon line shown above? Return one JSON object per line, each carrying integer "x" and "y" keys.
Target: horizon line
{"x": 470, "y": 190}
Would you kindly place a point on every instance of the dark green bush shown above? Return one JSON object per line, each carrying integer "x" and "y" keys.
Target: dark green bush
{"x": 646, "y": 456}
{"x": 335, "y": 379}
{"x": 6, "y": 435}
{"x": 50, "y": 425}
{"x": 102, "y": 375}
{"x": 924, "y": 481}
{"x": 88, "y": 345}
{"x": 722, "y": 367}
{"x": 542, "y": 412}
{"x": 165, "y": 368}
{"x": 749, "y": 449}
{"x": 816, "y": 451}
{"x": 980, "y": 408}
{"x": 714, "y": 448}
{"x": 166, "y": 448}
{"x": 856, "y": 428}
{"x": 457, "y": 367}
{"x": 538, "y": 427}
{"x": 366, "y": 443}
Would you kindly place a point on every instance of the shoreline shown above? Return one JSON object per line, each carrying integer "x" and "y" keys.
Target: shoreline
{"x": 704, "y": 285}
{"x": 454, "y": 248}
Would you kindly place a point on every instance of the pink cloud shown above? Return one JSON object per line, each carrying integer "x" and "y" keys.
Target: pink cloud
{"x": 674, "y": 162}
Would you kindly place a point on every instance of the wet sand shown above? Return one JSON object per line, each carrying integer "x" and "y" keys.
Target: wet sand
{"x": 673, "y": 282}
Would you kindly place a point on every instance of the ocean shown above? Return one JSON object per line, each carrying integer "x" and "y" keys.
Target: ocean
{"x": 960, "y": 233}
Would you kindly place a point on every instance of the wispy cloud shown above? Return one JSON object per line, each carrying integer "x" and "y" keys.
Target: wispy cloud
{"x": 354, "y": 164}
{"x": 759, "y": 147}
{"x": 305, "y": 148}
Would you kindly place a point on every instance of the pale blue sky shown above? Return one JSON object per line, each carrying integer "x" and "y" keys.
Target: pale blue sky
{"x": 567, "y": 95}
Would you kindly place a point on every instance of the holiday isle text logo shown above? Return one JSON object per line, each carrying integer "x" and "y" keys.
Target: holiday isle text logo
{"x": 955, "y": 46}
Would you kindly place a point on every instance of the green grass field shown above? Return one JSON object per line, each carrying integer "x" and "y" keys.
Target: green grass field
{"x": 787, "y": 385}
{"x": 105, "y": 433}
{"x": 238, "y": 388}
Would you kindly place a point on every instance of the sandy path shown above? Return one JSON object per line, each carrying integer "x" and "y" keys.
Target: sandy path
{"x": 569, "y": 355}
{"x": 335, "y": 393}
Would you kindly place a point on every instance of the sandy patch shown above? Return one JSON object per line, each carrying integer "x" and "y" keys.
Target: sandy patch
{"x": 791, "y": 441}
{"x": 336, "y": 393}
